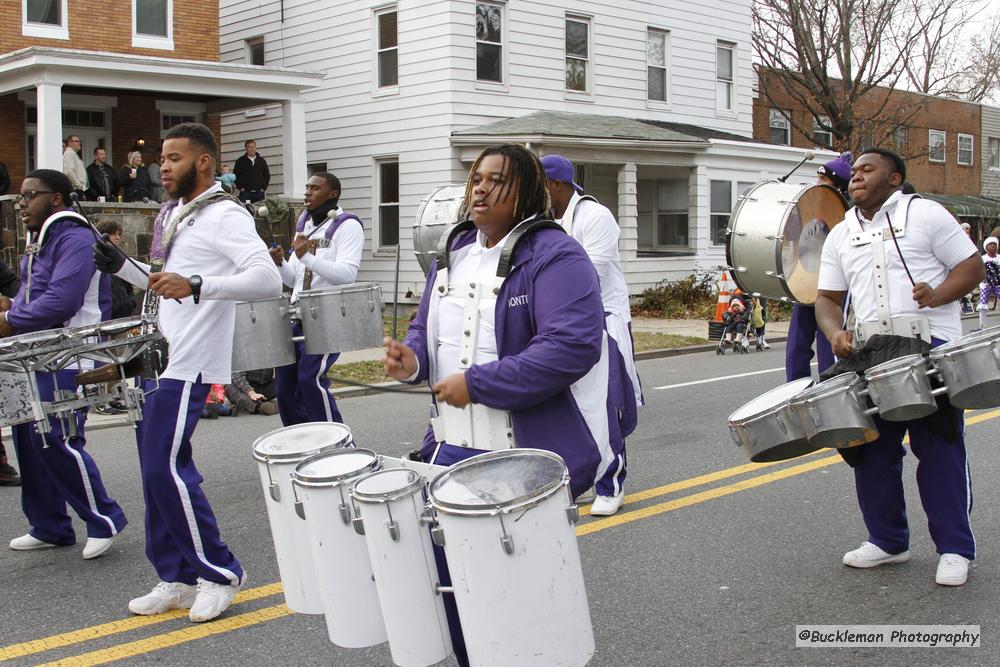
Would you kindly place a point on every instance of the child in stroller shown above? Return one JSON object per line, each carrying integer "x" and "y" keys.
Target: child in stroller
{"x": 743, "y": 319}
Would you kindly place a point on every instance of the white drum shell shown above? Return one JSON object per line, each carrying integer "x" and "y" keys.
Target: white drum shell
{"x": 342, "y": 318}
{"x": 262, "y": 337}
{"x": 406, "y": 578}
{"x": 15, "y": 398}
{"x": 528, "y": 608}
{"x": 439, "y": 211}
{"x": 343, "y": 568}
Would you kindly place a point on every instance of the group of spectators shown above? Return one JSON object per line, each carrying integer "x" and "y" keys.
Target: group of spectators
{"x": 99, "y": 181}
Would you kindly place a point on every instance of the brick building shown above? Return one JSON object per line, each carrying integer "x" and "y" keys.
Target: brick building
{"x": 113, "y": 75}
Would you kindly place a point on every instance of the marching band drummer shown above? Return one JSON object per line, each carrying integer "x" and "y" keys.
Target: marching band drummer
{"x": 326, "y": 252}
{"x": 202, "y": 230}
{"x": 861, "y": 256}
{"x": 594, "y": 226}
{"x": 59, "y": 287}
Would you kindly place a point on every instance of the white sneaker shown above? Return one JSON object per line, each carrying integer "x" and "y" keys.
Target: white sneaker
{"x": 764, "y": 344}
{"x": 952, "y": 570}
{"x": 607, "y": 505}
{"x": 870, "y": 555}
{"x": 96, "y": 546}
{"x": 29, "y": 543}
{"x": 213, "y": 599}
{"x": 165, "y": 596}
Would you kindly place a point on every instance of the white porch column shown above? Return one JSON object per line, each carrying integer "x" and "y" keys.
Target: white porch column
{"x": 49, "y": 134}
{"x": 699, "y": 234}
{"x": 628, "y": 212}
{"x": 293, "y": 135}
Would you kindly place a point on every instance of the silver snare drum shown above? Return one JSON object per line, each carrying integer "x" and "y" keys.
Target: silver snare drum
{"x": 438, "y": 212}
{"x": 835, "y": 413}
{"x": 901, "y": 388}
{"x": 970, "y": 367}
{"x": 342, "y": 318}
{"x": 768, "y": 429}
{"x": 263, "y": 335}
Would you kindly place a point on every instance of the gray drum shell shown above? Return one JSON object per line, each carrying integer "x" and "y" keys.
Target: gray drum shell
{"x": 438, "y": 212}
{"x": 971, "y": 371}
{"x": 901, "y": 388}
{"x": 262, "y": 337}
{"x": 835, "y": 414}
{"x": 775, "y": 434}
{"x": 341, "y": 319}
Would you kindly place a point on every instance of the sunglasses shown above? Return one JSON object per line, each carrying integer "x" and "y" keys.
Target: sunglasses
{"x": 26, "y": 197}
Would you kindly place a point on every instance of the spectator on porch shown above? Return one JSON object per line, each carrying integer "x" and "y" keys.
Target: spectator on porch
{"x": 252, "y": 175}
{"x": 134, "y": 178}
{"x": 156, "y": 189}
{"x": 102, "y": 178}
{"x": 73, "y": 165}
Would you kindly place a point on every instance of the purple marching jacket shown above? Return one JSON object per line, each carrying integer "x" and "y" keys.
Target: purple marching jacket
{"x": 549, "y": 331}
{"x": 62, "y": 273}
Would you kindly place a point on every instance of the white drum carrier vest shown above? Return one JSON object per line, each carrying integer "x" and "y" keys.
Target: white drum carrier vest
{"x": 910, "y": 326}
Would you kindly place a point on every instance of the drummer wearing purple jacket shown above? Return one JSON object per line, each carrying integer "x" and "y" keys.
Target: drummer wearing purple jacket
{"x": 905, "y": 281}
{"x": 60, "y": 287}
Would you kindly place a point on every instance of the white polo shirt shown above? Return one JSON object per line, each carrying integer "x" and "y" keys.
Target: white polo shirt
{"x": 335, "y": 262}
{"x": 932, "y": 245}
{"x": 220, "y": 244}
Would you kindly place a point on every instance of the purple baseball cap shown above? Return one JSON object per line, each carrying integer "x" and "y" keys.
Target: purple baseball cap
{"x": 558, "y": 168}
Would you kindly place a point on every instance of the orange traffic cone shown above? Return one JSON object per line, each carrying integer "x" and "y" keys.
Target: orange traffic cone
{"x": 724, "y": 296}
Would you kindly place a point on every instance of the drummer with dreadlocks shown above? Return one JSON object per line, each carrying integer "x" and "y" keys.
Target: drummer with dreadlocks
{"x": 905, "y": 264}
{"x": 510, "y": 332}
{"x": 326, "y": 252}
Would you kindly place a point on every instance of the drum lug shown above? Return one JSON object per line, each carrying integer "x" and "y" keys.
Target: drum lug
{"x": 437, "y": 536}
{"x": 573, "y": 514}
{"x": 772, "y": 237}
{"x": 439, "y": 589}
{"x": 345, "y": 514}
{"x": 507, "y": 542}
{"x": 299, "y": 509}
{"x": 343, "y": 310}
{"x": 772, "y": 274}
{"x": 313, "y": 310}
{"x": 359, "y": 526}
{"x": 275, "y": 491}
{"x": 393, "y": 527}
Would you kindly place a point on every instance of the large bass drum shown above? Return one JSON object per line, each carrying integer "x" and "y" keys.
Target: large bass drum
{"x": 441, "y": 209}
{"x": 775, "y": 240}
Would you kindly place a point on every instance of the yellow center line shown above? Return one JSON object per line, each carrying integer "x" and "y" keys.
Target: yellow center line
{"x": 227, "y": 624}
{"x": 174, "y": 638}
{"x": 123, "y": 625}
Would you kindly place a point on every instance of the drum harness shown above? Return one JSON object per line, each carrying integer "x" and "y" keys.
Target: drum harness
{"x": 910, "y": 326}
{"x": 475, "y": 426}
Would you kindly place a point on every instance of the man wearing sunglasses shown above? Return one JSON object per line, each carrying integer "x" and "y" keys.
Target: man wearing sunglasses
{"x": 60, "y": 287}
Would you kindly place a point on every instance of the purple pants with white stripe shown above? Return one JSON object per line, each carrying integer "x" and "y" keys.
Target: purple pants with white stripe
{"x": 60, "y": 474}
{"x": 303, "y": 388}
{"x": 942, "y": 478}
{"x": 182, "y": 536}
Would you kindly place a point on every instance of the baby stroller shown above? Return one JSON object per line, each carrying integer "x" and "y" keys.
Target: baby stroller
{"x": 743, "y": 322}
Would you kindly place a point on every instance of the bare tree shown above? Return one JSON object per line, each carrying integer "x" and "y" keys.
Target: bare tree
{"x": 843, "y": 60}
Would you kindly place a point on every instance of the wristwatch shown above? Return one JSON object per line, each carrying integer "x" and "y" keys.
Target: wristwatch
{"x": 195, "y": 283}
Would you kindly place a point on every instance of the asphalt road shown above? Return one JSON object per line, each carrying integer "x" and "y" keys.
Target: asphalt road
{"x": 712, "y": 561}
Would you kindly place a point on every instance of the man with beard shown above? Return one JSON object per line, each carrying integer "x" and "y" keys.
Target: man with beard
{"x": 102, "y": 178}
{"x": 326, "y": 251}
{"x": 905, "y": 263}
{"x": 205, "y": 256}
{"x": 60, "y": 288}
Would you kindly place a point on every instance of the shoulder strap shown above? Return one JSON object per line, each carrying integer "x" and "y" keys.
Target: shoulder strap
{"x": 517, "y": 235}
{"x": 338, "y": 221}
{"x": 444, "y": 243}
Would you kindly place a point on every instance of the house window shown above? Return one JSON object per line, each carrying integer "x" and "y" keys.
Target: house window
{"x": 388, "y": 203}
{"x": 656, "y": 64}
{"x": 900, "y": 136}
{"x": 577, "y": 53}
{"x": 44, "y": 18}
{"x": 489, "y": 42}
{"x": 168, "y": 120}
{"x": 724, "y": 73}
{"x": 780, "y": 127}
{"x": 255, "y": 51}
{"x": 866, "y": 135}
{"x": 936, "y": 145}
{"x": 314, "y": 168}
{"x": 721, "y": 202}
{"x": 821, "y": 134}
{"x": 388, "y": 48}
{"x": 153, "y": 24}
{"x": 994, "y": 153}
{"x": 966, "y": 144}
{"x": 663, "y": 214}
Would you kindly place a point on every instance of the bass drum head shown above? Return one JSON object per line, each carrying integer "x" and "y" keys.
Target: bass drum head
{"x": 818, "y": 210}
{"x": 440, "y": 210}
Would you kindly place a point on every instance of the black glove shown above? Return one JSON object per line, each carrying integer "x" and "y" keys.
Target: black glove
{"x": 107, "y": 257}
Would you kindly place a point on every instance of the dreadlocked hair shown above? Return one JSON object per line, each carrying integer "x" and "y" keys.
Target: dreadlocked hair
{"x": 523, "y": 168}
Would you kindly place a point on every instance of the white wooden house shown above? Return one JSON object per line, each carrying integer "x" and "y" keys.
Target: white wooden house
{"x": 651, "y": 99}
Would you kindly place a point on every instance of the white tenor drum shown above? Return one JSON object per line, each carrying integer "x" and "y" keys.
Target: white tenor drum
{"x": 439, "y": 211}
{"x": 506, "y": 520}
{"x": 775, "y": 239}
{"x": 343, "y": 569}
{"x": 391, "y": 504}
{"x": 263, "y": 335}
{"x": 341, "y": 318}
{"x": 277, "y": 453}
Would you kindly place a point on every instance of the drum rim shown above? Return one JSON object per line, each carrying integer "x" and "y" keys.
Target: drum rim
{"x": 383, "y": 497}
{"x": 961, "y": 345}
{"x": 896, "y": 366}
{"x": 297, "y": 456}
{"x": 523, "y": 502}
{"x": 335, "y": 480}
{"x": 818, "y": 391}
{"x": 341, "y": 289}
{"x": 283, "y": 297}
{"x": 771, "y": 410}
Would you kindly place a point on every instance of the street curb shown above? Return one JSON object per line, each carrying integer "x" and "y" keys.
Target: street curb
{"x": 691, "y": 349}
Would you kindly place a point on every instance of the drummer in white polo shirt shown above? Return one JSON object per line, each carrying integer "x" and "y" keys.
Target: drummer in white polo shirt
{"x": 862, "y": 257}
